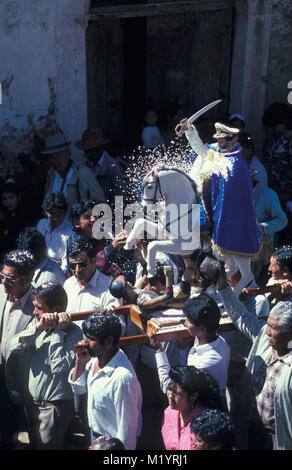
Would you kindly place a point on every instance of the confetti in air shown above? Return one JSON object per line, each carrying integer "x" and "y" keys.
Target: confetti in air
{"x": 177, "y": 155}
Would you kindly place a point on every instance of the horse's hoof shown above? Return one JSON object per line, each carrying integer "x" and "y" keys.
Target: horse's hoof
{"x": 127, "y": 246}
{"x": 185, "y": 287}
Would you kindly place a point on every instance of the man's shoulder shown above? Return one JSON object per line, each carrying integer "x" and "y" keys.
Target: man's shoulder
{"x": 212, "y": 351}
{"x": 123, "y": 369}
{"x": 3, "y": 296}
{"x": 28, "y": 305}
{"x": 82, "y": 170}
{"x": 220, "y": 345}
{"x": 123, "y": 373}
{"x": 51, "y": 266}
{"x": 70, "y": 281}
{"x": 103, "y": 279}
{"x": 74, "y": 332}
{"x": 42, "y": 224}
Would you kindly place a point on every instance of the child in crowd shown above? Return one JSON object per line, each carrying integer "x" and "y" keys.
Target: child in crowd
{"x": 213, "y": 430}
{"x": 151, "y": 136}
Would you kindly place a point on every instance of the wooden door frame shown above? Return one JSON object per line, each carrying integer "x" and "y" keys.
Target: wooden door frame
{"x": 153, "y": 9}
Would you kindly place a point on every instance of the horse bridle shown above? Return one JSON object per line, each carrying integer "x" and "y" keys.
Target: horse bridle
{"x": 158, "y": 187}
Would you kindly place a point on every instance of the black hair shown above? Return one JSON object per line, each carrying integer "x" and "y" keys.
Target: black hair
{"x": 277, "y": 113}
{"x": 102, "y": 325}
{"x": 32, "y": 240}
{"x": 203, "y": 310}
{"x": 52, "y": 295}
{"x": 108, "y": 443}
{"x": 79, "y": 243}
{"x": 284, "y": 257}
{"x": 215, "y": 428}
{"x": 234, "y": 119}
{"x": 191, "y": 380}
{"x": 54, "y": 201}
{"x": 10, "y": 187}
{"x": 245, "y": 140}
{"x": 81, "y": 207}
{"x": 22, "y": 260}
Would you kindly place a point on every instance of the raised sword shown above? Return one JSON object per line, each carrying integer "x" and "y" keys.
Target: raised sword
{"x": 179, "y": 128}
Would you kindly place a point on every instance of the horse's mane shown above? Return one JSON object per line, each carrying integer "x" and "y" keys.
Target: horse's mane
{"x": 178, "y": 170}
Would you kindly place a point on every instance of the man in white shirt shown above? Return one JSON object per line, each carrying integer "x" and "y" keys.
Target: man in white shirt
{"x": 88, "y": 288}
{"x": 56, "y": 228}
{"x": 106, "y": 374}
{"x": 209, "y": 352}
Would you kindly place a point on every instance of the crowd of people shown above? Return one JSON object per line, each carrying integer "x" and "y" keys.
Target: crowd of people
{"x": 61, "y": 374}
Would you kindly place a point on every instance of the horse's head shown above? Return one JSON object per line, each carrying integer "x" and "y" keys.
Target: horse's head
{"x": 151, "y": 187}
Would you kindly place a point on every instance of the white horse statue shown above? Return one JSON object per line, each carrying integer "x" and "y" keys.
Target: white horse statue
{"x": 178, "y": 229}
{"x": 181, "y": 224}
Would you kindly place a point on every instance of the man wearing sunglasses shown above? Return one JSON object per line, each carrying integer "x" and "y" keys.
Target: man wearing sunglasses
{"x": 87, "y": 289}
{"x": 16, "y": 312}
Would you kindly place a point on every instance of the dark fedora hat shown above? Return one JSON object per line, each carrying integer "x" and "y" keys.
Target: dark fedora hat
{"x": 91, "y": 138}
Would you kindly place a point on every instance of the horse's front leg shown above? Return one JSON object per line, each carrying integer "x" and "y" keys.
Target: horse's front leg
{"x": 243, "y": 263}
{"x": 167, "y": 246}
{"x": 140, "y": 227}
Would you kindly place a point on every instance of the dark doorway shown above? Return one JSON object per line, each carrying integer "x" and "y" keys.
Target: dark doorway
{"x": 135, "y": 46}
{"x": 132, "y": 62}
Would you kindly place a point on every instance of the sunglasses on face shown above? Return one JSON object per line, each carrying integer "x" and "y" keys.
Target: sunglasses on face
{"x": 82, "y": 264}
{"x": 8, "y": 279}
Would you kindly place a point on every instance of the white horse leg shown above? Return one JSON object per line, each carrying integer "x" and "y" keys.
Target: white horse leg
{"x": 140, "y": 226}
{"x": 235, "y": 264}
{"x": 243, "y": 263}
{"x": 231, "y": 266}
{"x": 165, "y": 246}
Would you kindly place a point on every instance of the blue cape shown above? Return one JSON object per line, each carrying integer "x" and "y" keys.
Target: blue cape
{"x": 227, "y": 212}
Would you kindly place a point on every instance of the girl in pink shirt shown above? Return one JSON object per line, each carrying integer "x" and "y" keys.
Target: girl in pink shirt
{"x": 190, "y": 392}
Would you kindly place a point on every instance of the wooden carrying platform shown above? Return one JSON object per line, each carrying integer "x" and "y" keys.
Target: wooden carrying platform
{"x": 164, "y": 328}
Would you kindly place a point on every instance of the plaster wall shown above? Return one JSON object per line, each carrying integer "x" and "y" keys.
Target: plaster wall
{"x": 42, "y": 71}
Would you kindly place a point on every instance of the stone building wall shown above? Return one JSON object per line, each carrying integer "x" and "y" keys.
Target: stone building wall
{"x": 262, "y": 54}
{"x": 42, "y": 73}
{"x": 43, "y": 67}
{"x": 280, "y": 52}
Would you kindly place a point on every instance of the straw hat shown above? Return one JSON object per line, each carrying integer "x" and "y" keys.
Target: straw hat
{"x": 91, "y": 138}
{"x": 56, "y": 143}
